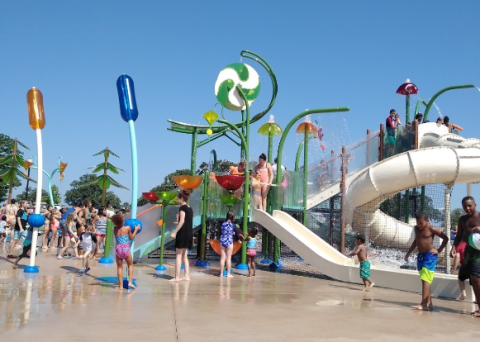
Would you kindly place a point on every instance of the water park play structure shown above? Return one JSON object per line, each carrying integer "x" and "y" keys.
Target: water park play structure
{"x": 420, "y": 155}
{"x": 423, "y": 154}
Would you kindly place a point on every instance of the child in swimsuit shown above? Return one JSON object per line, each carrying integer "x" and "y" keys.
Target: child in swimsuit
{"x": 361, "y": 252}
{"x": 100, "y": 224}
{"x": 256, "y": 191}
{"x": 88, "y": 239}
{"x": 3, "y": 228}
{"x": 427, "y": 256}
{"x": 123, "y": 237}
{"x": 27, "y": 246}
{"x": 226, "y": 243}
{"x": 251, "y": 250}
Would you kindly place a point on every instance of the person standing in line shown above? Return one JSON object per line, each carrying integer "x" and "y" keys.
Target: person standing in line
{"x": 20, "y": 226}
{"x": 183, "y": 236}
{"x": 266, "y": 177}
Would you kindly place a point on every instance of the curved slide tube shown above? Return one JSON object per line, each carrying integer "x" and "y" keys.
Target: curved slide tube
{"x": 332, "y": 263}
{"x": 414, "y": 168}
{"x": 411, "y": 169}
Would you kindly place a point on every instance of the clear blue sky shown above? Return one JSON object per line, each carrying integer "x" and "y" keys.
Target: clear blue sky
{"x": 324, "y": 53}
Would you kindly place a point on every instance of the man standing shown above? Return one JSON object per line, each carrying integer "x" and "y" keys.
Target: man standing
{"x": 20, "y": 226}
{"x": 470, "y": 269}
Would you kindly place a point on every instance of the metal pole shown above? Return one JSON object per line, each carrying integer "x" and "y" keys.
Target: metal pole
{"x": 407, "y": 107}
{"x": 368, "y": 147}
{"x": 33, "y": 252}
{"x": 305, "y": 176}
{"x": 193, "y": 162}
{"x": 162, "y": 239}
{"x": 469, "y": 189}
{"x": 380, "y": 143}
{"x": 108, "y": 244}
{"x": 28, "y": 181}
{"x": 448, "y": 227}
{"x": 201, "y": 261}
{"x": 344, "y": 192}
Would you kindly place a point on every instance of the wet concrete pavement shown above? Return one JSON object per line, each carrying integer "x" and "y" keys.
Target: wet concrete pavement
{"x": 60, "y": 305}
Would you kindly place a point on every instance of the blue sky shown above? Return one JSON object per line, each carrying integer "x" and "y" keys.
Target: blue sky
{"x": 324, "y": 53}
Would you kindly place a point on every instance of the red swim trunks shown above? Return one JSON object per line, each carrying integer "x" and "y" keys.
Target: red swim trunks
{"x": 461, "y": 250}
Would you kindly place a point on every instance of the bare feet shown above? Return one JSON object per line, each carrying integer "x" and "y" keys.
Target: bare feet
{"x": 371, "y": 285}
{"x": 476, "y": 313}
{"x": 14, "y": 266}
{"x": 185, "y": 279}
{"x": 132, "y": 286}
{"x": 422, "y": 308}
{"x": 229, "y": 276}
{"x": 174, "y": 280}
{"x": 248, "y": 276}
{"x": 462, "y": 297}
{"x": 365, "y": 288}
{"x": 253, "y": 275}
{"x": 119, "y": 288}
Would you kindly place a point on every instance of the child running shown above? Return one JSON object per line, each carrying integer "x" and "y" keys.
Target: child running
{"x": 361, "y": 252}
{"x": 123, "y": 237}
{"x": 427, "y": 256}
{"x": 70, "y": 237}
{"x": 27, "y": 246}
{"x": 88, "y": 239}
{"x": 251, "y": 250}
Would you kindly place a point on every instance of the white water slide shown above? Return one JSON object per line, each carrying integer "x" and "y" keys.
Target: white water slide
{"x": 442, "y": 158}
{"x": 332, "y": 263}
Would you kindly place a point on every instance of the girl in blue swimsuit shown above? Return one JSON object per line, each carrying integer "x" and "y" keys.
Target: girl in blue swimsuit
{"x": 226, "y": 243}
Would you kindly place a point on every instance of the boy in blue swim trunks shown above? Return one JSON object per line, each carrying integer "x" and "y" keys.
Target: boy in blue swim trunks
{"x": 361, "y": 252}
{"x": 427, "y": 256}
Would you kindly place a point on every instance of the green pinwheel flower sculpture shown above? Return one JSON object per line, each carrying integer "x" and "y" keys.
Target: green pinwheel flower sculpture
{"x": 104, "y": 180}
{"x": 12, "y": 162}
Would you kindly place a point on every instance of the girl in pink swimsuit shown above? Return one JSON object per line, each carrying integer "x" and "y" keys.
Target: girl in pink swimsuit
{"x": 266, "y": 177}
{"x": 123, "y": 237}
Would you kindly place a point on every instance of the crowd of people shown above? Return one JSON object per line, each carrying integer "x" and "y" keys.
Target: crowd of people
{"x": 63, "y": 230}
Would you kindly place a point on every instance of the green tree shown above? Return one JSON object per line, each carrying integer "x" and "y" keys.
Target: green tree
{"x": 167, "y": 185}
{"x": 6, "y": 158}
{"x": 127, "y": 206}
{"x": 455, "y": 215}
{"x": 32, "y": 195}
{"x": 222, "y": 166}
{"x": 82, "y": 189}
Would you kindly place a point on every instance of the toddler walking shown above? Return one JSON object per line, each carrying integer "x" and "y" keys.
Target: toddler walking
{"x": 88, "y": 239}
{"x": 361, "y": 252}
{"x": 251, "y": 250}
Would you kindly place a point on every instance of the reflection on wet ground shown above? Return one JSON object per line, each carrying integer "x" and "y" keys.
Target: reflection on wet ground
{"x": 59, "y": 304}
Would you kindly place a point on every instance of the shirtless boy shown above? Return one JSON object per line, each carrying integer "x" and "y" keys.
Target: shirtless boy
{"x": 361, "y": 252}
{"x": 427, "y": 256}
{"x": 467, "y": 225}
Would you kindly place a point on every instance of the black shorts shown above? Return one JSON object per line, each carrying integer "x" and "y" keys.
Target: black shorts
{"x": 471, "y": 266}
